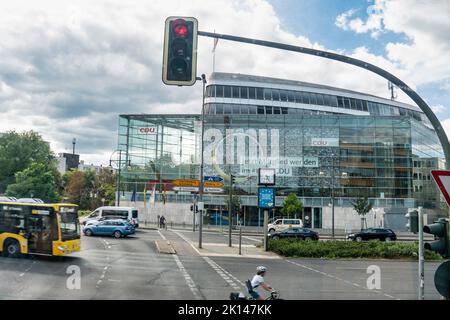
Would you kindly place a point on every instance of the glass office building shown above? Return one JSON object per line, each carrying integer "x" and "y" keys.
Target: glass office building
{"x": 321, "y": 140}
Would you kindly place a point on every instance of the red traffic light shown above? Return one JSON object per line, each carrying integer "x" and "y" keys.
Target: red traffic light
{"x": 180, "y": 28}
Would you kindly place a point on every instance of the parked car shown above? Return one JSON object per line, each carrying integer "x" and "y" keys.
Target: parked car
{"x": 381, "y": 234}
{"x": 282, "y": 224}
{"x": 115, "y": 228}
{"x": 129, "y": 213}
{"x": 297, "y": 233}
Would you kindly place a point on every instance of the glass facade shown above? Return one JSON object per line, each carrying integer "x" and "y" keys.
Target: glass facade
{"x": 368, "y": 156}
{"x": 382, "y": 151}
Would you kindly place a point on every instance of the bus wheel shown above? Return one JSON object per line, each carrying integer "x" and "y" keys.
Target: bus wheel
{"x": 12, "y": 249}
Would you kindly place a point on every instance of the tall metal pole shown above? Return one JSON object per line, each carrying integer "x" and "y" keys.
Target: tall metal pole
{"x": 359, "y": 63}
{"x": 200, "y": 222}
{"x": 230, "y": 209}
{"x": 421, "y": 257}
{"x": 332, "y": 201}
{"x": 118, "y": 179}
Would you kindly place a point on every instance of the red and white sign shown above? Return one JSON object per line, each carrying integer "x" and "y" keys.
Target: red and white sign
{"x": 147, "y": 130}
{"x": 442, "y": 178}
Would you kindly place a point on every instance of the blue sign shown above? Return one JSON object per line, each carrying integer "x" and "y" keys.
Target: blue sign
{"x": 213, "y": 178}
{"x": 266, "y": 198}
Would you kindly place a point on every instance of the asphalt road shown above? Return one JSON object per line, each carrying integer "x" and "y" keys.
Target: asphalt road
{"x": 132, "y": 268}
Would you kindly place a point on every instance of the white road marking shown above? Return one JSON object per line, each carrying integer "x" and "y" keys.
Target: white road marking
{"x": 224, "y": 274}
{"x": 340, "y": 279}
{"x": 189, "y": 281}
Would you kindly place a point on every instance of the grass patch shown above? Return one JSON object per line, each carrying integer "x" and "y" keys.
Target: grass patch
{"x": 348, "y": 249}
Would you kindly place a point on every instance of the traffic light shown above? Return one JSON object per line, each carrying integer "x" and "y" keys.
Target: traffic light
{"x": 194, "y": 207}
{"x": 440, "y": 231}
{"x": 413, "y": 221}
{"x": 233, "y": 179}
{"x": 180, "y": 51}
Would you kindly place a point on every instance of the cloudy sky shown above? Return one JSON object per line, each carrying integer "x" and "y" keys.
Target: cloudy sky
{"x": 68, "y": 68}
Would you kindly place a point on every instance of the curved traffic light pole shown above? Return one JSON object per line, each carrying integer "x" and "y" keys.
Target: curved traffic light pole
{"x": 359, "y": 63}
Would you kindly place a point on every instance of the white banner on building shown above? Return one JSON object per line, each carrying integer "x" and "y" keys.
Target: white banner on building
{"x": 282, "y": 165}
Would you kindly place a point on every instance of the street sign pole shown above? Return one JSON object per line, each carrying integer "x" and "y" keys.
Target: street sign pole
{"x": 230, "y": 209}
{"x": 421, "y": 257}
{"x": 266, "y": 222}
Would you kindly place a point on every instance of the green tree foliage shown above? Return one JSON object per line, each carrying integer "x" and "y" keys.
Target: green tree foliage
{"x": 362, "y": 206}
{"x": 235, "y": 202}
{"x": 88, "y": 188}
{"x": 291, "y": 205}
{"x": 36, "y": 181}
{"x": 18, "y": 151}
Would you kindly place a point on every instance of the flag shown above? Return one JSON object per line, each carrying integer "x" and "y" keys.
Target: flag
{"x": 216, "y": 40}
{"x": 145, "y": 196}
{"x": 153, "y": 195}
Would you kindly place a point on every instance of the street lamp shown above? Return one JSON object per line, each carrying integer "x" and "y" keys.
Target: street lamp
{"x": 119, "y": 171}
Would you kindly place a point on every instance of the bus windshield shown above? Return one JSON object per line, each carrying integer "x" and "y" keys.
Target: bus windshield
{"x": 70, "y": 227}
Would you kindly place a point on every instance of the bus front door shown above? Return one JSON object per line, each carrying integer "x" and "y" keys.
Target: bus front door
{"x": 39, "y": 234}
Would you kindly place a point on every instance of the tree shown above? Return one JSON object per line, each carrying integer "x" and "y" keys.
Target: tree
{"x": 362, "y": 206}
{"x": 36, "y": 181}
{"x": 291, "y": 205}
{"x": 18, "y": 151}
{"x": 235, "y": 202}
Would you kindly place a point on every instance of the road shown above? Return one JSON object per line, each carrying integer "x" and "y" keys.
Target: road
{"x": 132, "y": 268}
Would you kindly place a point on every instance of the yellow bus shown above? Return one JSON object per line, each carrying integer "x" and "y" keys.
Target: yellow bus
{"x": 38, "y": 229}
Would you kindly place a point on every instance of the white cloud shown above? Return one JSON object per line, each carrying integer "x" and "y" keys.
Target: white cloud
{"x": 67, "y": 69}
{"x": 438, "y": 108}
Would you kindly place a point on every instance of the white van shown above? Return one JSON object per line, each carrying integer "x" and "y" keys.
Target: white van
{"x": 129, "y": 213}
{"x": 281, "y": 224}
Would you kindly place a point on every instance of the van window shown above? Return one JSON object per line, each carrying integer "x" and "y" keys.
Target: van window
{"x": 134, "y": 214}
{"x": 295, "y": 221}
{"x": 94, "y": 214}
{"x": 288, "y": 222}
{"x": 278, "y": 221}
{"x": 112, "y": 212}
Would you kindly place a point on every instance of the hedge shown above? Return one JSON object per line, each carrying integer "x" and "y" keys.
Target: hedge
{"x": 348, "y": 249}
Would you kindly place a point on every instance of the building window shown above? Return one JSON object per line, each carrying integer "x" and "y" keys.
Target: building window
{"x": 340, "y": 102}
{"x": 267, "y": 94}
{"x": 260, "y": 110}
{"x": 235, "y": 92}
{"x": 244, "y": 93}
{"x": 226, "y": 109}
{"x": 219, "y": 91}
{"x": 283, "y": 95}
{"x": 251, "y": 110}
{"x": 275, "y": 95}
{"x": 312, "y": 98}
{"x": 346, "y": 103}
{"x": 252, "y": 93}
{"x": 319, "y": 99}
{"x": 276, "y": 110}
{"x": 268, "y": 110}
{"x": 236, "y": 109}
{"x": 219, "y": 109}
{"x": 227, "y": 91}
{"x": 291, "y": 96}
{"x": 305, "y": 97}
{"x": 284, "y": 110}
{"x": 260, "y": 93}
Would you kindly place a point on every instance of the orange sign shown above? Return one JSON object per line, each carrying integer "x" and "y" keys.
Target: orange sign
{"x": 186, "y": 183}
{"x": 212, "y": 184}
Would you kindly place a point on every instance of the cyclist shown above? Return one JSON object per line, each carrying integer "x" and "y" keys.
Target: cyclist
{"x": 258, "y": 281}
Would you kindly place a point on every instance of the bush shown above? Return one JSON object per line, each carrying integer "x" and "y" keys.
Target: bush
{"x": 82, "y": 213}
{"x": 348, "y": 249}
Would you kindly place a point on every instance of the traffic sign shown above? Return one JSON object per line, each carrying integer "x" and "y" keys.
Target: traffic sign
{"x": 213, "y": 184}
{"x": 213, "y": 178}
{"x": 442, "y": 279}
{"x": 186, "y": 183}
{"x": 442, "y": 179}
{"x": 187, "y": 189}
{"x": 214, "y": 190}
{"x": 266, "y": 198}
